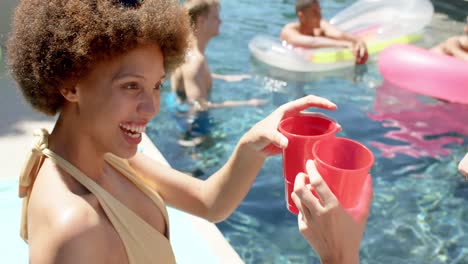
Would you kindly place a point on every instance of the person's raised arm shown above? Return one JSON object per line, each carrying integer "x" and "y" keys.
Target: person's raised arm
{"x": 334, "y": 233}
{"x": 218, "y": 196}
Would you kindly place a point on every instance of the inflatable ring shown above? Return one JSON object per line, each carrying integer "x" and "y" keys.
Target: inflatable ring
{"x": 380, "y": 23}
{"x": 425, "y": 72}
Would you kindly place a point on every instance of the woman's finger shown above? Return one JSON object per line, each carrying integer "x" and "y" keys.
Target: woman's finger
{"x": 326, "y": 195}
{"x": 300, "y": 181}
{"x": 303, "y": 210}
{"x": 310, "y": 204}
{"x": 278, "y": 139}
{"x": 296, "y": 106}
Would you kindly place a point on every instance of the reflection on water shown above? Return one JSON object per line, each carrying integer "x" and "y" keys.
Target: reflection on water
{"x": 418, "y": 213}
{"x": 426, "y": 126}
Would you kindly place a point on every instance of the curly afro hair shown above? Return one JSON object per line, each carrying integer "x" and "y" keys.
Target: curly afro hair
{"x": 54, "y": 43}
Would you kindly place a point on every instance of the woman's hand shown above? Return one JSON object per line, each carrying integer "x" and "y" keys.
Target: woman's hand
{"x": 334, "y": 233}
{"x": 264, "y": 137}
{"x": 463, "y": 167}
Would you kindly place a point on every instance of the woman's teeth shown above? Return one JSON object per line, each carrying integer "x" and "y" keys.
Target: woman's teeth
{"x": 133, "y": 131}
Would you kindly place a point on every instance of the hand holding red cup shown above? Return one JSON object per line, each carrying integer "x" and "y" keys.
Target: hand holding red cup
{"x": 343, "y": 163}
{"x": 302, "y": 132}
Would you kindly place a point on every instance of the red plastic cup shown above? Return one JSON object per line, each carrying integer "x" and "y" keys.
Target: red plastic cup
{"x": 302, "y": 132}
{"x": 344, "y": 165}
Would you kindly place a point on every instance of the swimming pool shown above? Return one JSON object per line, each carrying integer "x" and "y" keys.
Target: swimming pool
{"x": 418, "y": 213}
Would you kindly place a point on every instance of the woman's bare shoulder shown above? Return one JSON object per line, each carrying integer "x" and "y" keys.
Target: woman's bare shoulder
{"x": 65, "y": 226}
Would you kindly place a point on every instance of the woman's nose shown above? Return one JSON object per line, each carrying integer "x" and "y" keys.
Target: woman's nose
{"x": 149, "y": 104}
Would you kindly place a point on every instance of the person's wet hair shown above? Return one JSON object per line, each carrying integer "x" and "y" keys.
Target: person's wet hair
{"x": 197, "y": 8}
{"x": 54, "y": 43}
{"x": 304, "y": 4}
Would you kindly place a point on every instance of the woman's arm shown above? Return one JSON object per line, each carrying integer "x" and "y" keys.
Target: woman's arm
{"x": 217, "y": 197}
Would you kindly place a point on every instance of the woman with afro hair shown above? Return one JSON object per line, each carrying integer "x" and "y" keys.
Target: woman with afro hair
{"x": 88, "y": 196}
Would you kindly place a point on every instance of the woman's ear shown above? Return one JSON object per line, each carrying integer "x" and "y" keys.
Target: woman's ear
{"x": 70, "y": 93}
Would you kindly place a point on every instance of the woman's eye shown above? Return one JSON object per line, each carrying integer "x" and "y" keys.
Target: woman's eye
{"x": 131, "y": 86}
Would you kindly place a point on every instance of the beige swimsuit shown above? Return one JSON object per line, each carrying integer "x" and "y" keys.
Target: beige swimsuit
{"x": 142, "y": 242}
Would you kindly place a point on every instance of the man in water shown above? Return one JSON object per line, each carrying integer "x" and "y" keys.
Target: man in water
{"x": 456, "y": 46}
{"x": 191, "y": 83}
{"x": 311, "y": 31}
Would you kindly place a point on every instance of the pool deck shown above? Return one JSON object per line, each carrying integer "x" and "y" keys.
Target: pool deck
{"x": 193, "y": 239}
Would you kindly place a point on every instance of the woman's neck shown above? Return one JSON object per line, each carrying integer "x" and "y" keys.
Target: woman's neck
{"x": 72, "y": 144}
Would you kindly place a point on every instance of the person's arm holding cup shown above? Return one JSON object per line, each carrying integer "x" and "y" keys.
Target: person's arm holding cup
{"x": 333, "y": 232}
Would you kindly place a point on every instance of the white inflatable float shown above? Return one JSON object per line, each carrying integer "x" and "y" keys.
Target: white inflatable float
{"x": 379, "y": 22}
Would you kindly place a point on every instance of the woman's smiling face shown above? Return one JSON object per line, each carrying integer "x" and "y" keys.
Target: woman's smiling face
{"x": 119, "y": 97}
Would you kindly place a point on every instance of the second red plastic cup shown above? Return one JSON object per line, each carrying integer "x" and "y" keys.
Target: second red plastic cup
{"x": 302, "y": 132}
{"x": 344, "y": 165}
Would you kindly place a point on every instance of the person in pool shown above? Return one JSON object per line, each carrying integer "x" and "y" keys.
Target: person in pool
{"x": 463, "y": 166}
{"x": 456, "y": 46}
{"x": 88, "y": 195}
{"x": 191, "y": 83}
{"x": 311, "y": 31}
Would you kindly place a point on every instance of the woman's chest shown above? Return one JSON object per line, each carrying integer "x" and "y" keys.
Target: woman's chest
{"x": 134, "y": 199}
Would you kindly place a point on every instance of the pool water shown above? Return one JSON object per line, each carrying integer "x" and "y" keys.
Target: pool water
{"x": 418, "y": 213}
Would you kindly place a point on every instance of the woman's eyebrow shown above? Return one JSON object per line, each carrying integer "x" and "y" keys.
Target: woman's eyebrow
{"x": 123, "y": 74}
